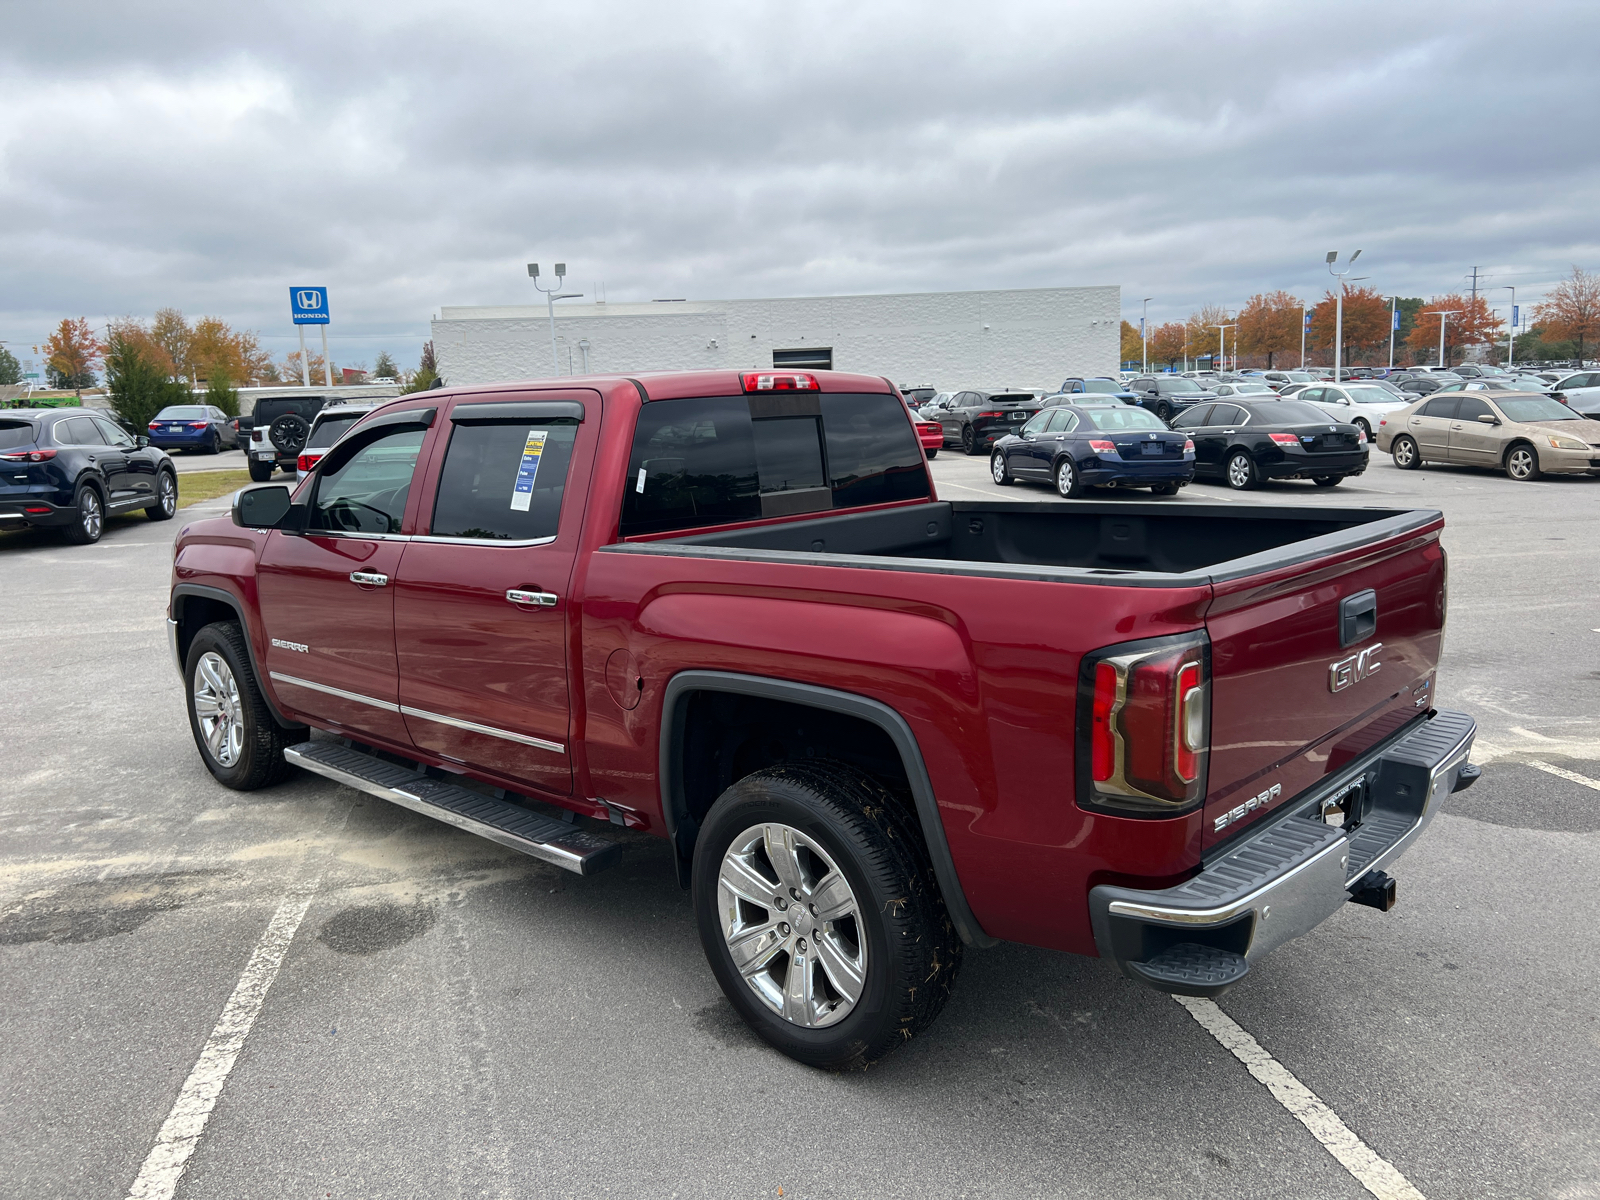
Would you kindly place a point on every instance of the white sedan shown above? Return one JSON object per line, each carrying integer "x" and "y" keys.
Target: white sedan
{"x": 1360, "y": 404}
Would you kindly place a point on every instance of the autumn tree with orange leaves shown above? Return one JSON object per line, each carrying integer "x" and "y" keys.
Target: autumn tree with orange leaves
{"x": 71, "y": 354}
{"x": 1167, "y": 342}
{"x": 1571, "y": 312}
{"x": 1270, "y": 324}
{"x": 1471, "y": 323}
{"x": 1366, "y": 323}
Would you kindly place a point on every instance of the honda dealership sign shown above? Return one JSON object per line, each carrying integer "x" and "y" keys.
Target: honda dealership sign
{"x": 309, "y": 305}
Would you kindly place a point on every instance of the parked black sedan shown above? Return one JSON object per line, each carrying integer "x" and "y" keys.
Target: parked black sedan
{"x": 70, "y": 468}
{"x": 1246, "y": 442}
{"x": 1075, "y": 446}
{"x": 973, "y": 419}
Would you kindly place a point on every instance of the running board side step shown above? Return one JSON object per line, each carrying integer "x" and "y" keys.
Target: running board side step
{"x": 538, "y": 836}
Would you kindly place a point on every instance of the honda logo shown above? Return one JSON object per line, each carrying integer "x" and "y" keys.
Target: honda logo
{"x": 308, "y": 299}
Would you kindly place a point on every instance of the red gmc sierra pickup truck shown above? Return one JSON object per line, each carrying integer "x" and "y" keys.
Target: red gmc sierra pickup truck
{"x": 876, "y": 728}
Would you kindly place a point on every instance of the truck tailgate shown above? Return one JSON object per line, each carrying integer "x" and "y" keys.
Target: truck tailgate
{"x": 1293, "y": 699}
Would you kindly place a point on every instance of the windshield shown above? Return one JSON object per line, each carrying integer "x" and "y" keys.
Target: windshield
{"x": 1178, "y": 387}
{"x": 1372, "y": 395}
{"x": 1249, "y": 388}
{"x": 1104, "y": 387}
{"x": 1124, "y": 418}
{"x": 1537, "y": 408}
{"x": 1288, "y": 412}
{"x": 328, "y": 431}
{"x": 182, "y": 412}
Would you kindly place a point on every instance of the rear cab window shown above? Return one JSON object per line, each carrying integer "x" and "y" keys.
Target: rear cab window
{"x": 724, "y": 459}
{"x": 329, "y": 429}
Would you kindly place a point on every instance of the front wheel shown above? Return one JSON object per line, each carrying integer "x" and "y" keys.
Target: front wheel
{"x": 1242, "y": 473}
{"x": 1164, "y": 411}
{"x": 1326, "y": 481}
{"x": 1522, "y": 464}
{"x": 216, "y": 444}
{"x": 1361, "y": 424}
{"x": 1069, "y": 485}
{"x": 240, "y": 743}
{"x": 260, "y": 471}
{"x": 820, "y": 914}
{"x": 166, "y": 505}
{"x": 998, "y": 469}
{"x": 1405, "y": 453}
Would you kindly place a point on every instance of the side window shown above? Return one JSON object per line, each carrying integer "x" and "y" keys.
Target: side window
{"x": 1315, "y": 395}
{"x": 114, "y": 434}
{"x": 1443, "y": 407}
{"x": 367, "y": 491}
{"x": 1193, "y": 418}
{"x": 693, "y": 463}
{"x": 504, "y": 480}
{"x": 1039, "y": 423}
{"x": 1065, "y": 422}
{"x": 78, "y": 431}
{"x": 1472, "y": 408}
{"x": 1226, "y": 414}
{"x": 873, "y": 454}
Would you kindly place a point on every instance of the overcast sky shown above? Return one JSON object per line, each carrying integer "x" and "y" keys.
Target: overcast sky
{"x": 211, "y": 155}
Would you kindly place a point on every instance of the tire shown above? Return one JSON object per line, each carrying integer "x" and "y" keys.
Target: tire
{"x": 1522, "y": 462}
{"x": 89, "y": 519}
{"x": 1364, "y": 427}
{"x": 1164, "y": 489}
{"x": 243, "y": 749}
{"x": 834, "y": 826}
{"x": 1164, "y": 411}
{"x": 1241, "y": 471}
{"x": 1405, "y": 453}
{"x": 1328, "y": 481}
{"x": 288, "y": 433}
{"x": 933, "y": 453}
{"x": 166, "y": 505}
{"x": 969, "y": 442}
{"x": 998, "y": 471}
{"x": 260, "y": 471}
{"x": 1069, "y": 484}
{"x": 215, "y": 447}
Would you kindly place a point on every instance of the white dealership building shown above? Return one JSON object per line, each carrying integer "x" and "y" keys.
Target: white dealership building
{"x": 1032, "y": 337}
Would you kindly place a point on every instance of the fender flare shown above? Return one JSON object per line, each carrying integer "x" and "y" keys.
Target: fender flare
{"x": 674, "y": 713}
{"x": 226, "y": 597}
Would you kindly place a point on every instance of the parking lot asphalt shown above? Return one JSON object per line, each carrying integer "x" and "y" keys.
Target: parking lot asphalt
{"x": 452, "y": 1019}
{"x": 227, "y": 460}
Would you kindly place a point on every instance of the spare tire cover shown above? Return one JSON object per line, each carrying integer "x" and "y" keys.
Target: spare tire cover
{"x": 289, "y": 433}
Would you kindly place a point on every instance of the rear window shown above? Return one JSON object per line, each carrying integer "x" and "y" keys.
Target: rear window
{"x": 1288, "y": 412}
{"x": 1102, "y": 386}
{"x": 1126, "y": 417}
{"x": 183, "y": 412}
{"x": 16, "y": 433}
{"x": 329, "y": 430}
{"x": 736, "y": 458}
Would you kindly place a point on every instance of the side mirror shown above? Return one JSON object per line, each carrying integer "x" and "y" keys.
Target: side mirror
{"x": 141, "y": 441}
{"x": 266, "y": 506}
{"x": 1028, "y": 435}
{"x": 1488, "y": 419}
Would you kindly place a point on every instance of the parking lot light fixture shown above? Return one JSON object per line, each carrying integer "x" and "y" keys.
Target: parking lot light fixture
{"x": 1144, "y": 334}
{"x": 1338, "y": 305}
{"x": 1454, "y": 312}
{"x": 551, "y": 295}
{"x": 1222, "y": 345}
{"x": 1511, "y": 327}
{"x": 1394, "y": 306}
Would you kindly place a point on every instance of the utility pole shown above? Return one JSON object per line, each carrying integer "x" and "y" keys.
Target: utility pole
{"x": 1222, "y": 344}
{"x": 1474, "y": 284}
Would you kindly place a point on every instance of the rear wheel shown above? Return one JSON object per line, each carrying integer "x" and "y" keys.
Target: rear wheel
{"x": 820, "y": 915}
{"x": 1242, "y": 473}
{"x": 1405, "y": 453}
{"x": 240, "y": 743}
{"x": 1069, "y": 486}
{"x": 969, "y": 440}
{"x": 999, "y": 470}
{"x": 1327, "y": 480}
{"x": 933, "y": 452}
{"x": 88, "y": 519}
{"x": 260, "y": 471}
{"x": 166, "y": 504}
{"x": 1522, "y": 463}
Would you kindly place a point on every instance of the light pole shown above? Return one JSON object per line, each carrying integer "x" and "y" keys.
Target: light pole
{"x": 1338, "y": 307}
{"x": 1454, "y": 312}
{"x": 1511, "y": 330}
{"x": 1144, "y": 335}
{"x": 1305, "y": 324}
{"x": 1394, "y": 323}
{"x": 1222, "y": 341}
{"x": 551, "y": 295}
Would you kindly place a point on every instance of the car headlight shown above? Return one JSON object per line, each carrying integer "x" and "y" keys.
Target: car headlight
{"x": 1566, "y": 443}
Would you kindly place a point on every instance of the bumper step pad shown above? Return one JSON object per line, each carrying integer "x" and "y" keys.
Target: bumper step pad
{"x": 538, "y": 836}
{"x": 1190, "y": 969}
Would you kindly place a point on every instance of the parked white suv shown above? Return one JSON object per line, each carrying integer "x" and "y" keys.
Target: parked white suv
{"x": 327, "y": 427}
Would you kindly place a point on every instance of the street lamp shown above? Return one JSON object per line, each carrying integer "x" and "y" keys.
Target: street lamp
{"x": 551, "y": 295}
{"x": 1511, "y": 333}
{"x": 1394, "y": 324}
{"x": 1338, "y": 309}
{"x": 1454, "y": 312}
{"x": 1305, "y": 324}
{"x": 1144, "y": 335}
{"x": 1222, "y": 343}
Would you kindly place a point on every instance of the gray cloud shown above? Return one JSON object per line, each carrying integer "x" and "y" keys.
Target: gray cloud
{"x": 409, "y": 156}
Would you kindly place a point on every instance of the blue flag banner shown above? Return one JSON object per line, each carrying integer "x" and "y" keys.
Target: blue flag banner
{"x": 1396, "y": 324}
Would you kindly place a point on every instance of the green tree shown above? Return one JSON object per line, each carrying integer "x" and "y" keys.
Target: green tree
{"x": 220, "y": 392}
{"x": 427, "y": 371}
{"x": 136, "y": 376}
{"x": 385, "y": 367}
{"x": 10, "y": 368}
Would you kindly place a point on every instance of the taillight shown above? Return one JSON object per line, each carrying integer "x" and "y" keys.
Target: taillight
{"x": 306, "y": 461}
{"x": 1188, "y": 445}
{"x": 763, "y": 381}
{"x": 1284, "y": 439}
{"x": 991, "y": 414}
{"x": 1382, "y": 421}
{"x": 257, "y": 435}
{"x": 28, "y": 456}
{"x": 1101, "y": 446}
{"x": 197, "y": 424}
{"x": 35, "y": 510}
{"x": 1361, "y": 435}
{"x": 1144, "y": 732}
{"x": 155, "y": 424}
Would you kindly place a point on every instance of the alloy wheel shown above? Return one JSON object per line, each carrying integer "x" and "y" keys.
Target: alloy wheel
{"x": 1405, "y": 453}
{"x": 1239, "y": 471}
{"x": 1066, "y": 478}
{"x": 997, "y": 468}
{"x": 167, "y": 494}
{"x": 967, "y": 440}
{"x": 91, "y": 516}
{"x": 1520, "y": 463}
{"x": 792, "y": 925}
{"x": 216, "y": 706}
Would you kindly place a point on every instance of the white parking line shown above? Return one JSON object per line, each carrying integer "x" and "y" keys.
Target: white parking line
{"x": 180, "y": 1133}
{"x": 1562, "y": 773}
{"x": 1376, "y": 1174}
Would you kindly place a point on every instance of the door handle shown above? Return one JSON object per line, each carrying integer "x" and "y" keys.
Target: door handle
{"x": 537, "y": 599}
{"x": 369, "y": 579}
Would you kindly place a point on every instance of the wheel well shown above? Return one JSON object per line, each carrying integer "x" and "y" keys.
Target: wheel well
{"x": 194, "y": 613}
{"x": 91, "y": 481}
{"x": 1506, "y": 457}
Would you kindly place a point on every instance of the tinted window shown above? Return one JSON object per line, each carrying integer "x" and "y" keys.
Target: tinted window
{"x": 789, "y": 453}
{"x": 1313, "y": 395}
{"x": 366, "y": 493}
{"x": 1060, "y": 420}
{"x": 1444, "y": 406}
{"x": 78, "y": 431}
{"x": 504, "y": 480}
{"x": 1227, "y": 414}
{"x": 15, "y": 433}
{"x": 1124, "y": 418}
{"x": 1102, "y": 386}
{"x": 1471, "y": 409}
{"x": 1038, "y": 424}
{"x": 873, "y": 454}
{"x": 113, "y": 434}
{"x": 1195, "y": 417}
{"x": 183, "y": 412}
{"x": 693, "y": 463}
{"x": 1287, "y": 412}
{"x": 328, "y": 431}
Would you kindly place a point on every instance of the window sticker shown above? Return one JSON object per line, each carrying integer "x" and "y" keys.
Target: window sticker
{"x": 528, "y": 470}
{"x": 640, "y": 487}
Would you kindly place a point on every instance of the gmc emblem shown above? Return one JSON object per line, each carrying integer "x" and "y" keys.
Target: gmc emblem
{"x": 1354, "y": 669}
